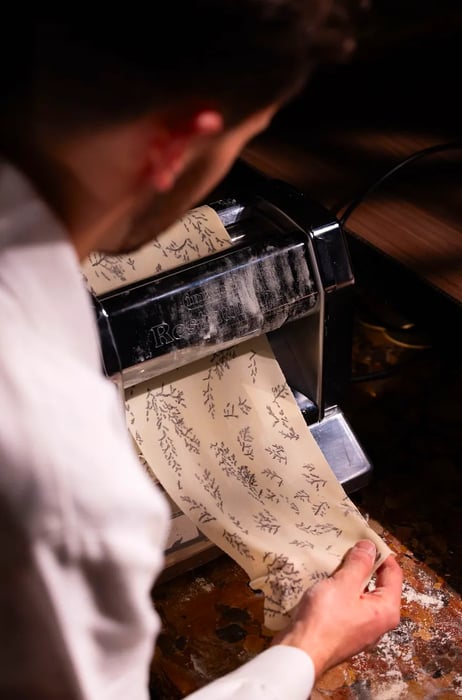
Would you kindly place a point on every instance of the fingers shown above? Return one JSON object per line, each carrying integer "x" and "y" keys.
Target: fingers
{"x": 387, "y": 593}
{"x": 389, "y": 579}
{"x": 336, "y": 619}
{"x": 357, "y": 565}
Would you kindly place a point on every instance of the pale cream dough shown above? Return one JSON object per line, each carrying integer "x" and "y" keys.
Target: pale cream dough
{"x": 227, "y": 441}
{"x": 197, "y": 234}
{"x": 225, "y": 438}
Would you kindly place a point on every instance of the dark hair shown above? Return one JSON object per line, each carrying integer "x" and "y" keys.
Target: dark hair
{"x": 239, "y": 55}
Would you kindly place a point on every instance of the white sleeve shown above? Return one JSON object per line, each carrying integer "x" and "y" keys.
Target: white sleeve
{"x": 279, "y": 672}
{"x": 80, "y": 628}
{"x": 82, "y": 534}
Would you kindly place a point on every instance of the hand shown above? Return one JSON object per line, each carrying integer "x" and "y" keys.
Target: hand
{"x": 337, "y": 618}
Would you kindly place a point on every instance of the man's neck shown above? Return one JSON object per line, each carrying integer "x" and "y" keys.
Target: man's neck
{"x": 84, "y": 217}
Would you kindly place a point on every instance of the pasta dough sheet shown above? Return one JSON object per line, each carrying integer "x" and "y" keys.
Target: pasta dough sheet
{"x": 197, "y": 234}
{"x": 225, "y": 438}
{"x": 227, "y": 441}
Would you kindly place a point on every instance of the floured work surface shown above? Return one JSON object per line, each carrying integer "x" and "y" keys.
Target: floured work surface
{"x": 225, "y": 438}
{"x": 213, "y": 623}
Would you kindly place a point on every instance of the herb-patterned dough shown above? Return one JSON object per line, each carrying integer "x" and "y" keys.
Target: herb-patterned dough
{"x": 272, "y": 502}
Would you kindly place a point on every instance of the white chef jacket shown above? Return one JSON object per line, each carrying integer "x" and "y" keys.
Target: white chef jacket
{"x": 82, "y": 527}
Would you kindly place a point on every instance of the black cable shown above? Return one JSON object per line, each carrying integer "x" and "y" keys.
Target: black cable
{"x": 390, "y": 371}
{"x": 409, "y": 159}
{"x": 374, "y": 376}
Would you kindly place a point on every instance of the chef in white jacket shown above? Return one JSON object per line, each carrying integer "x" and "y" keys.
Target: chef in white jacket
{"x": 109, "y": 131}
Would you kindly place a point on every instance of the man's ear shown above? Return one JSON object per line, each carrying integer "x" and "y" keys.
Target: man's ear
{"x": 173, "y": 143}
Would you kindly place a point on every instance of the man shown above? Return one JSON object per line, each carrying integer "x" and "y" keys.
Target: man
{"x": 109, "y": 130}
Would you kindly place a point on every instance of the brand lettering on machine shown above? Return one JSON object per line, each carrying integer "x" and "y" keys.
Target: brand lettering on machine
{"x": 195, "y": 299}
{"x": 164, "y": 333}
{"x": 205, "y": 304}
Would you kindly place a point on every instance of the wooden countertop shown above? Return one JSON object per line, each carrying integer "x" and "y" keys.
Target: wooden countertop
{"x": 354, "y": 123}
{"x": 418, "y": 222}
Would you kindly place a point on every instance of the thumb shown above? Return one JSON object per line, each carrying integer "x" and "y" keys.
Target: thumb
{"x": 358, "y": 565}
